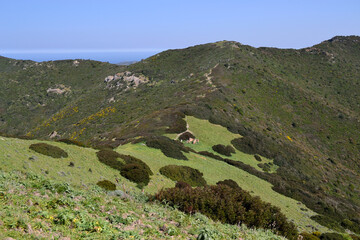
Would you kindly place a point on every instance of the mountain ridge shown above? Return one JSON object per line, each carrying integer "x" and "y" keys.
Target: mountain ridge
{"x": 297, "y": 106}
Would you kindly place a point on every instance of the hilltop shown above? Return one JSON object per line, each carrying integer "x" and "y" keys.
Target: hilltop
{"x": 298, "y": 108}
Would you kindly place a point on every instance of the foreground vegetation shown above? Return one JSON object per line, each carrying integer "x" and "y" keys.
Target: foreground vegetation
{"x": 37, "y": 208}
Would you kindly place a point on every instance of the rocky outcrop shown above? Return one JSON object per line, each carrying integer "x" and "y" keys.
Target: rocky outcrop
{"x": 59, "y": 89}
{"x": 125, "y": 80}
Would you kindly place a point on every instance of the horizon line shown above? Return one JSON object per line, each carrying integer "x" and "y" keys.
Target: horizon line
{"x": 116, "y": 50}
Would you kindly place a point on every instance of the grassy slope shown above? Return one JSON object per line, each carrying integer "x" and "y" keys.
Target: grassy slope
{"x": 214, "y": 171}
{"x": 32, "y": 210}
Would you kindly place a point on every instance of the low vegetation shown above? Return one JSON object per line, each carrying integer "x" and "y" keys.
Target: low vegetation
{"x": 107, "y": 185}
{"x": 130, "y": 167}
{"x": 185, "y": 174}
{"x": 38, "y": 208}
{"x": 48, "y": 150}
{"x": 168, "y": 147}
{"x": 224, "y": 150}
{"x": 229, "y": 205}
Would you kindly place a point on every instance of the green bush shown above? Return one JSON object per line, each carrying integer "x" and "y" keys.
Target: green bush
{"x": 107, "y": 185}
{"x": 71, "y": 142}
{"x": 257, "y": 157}
{"x": 111, "y": 159}
{"x": 186, "y": 136}
{"x": 224, "y": 150}
{"x": 230, "y": 183}
{"x": 168, "y": 147}
{"x": 135, "y": 173}
{"x": 181, "y": 184}
{"x": 130, "y": 167}
{"x": 331, "y": 236}
{"x": 48, "y": 150}
{"x": 130, "y": 159}
{"x": 209, "y": 154}
{"x": 264, "y": 166}
{"x": 184, "y": 174}
{"x": 229, "y": 205}
{"x": 309, "y": 236}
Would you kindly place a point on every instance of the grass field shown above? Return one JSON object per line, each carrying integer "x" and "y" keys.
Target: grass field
{"x": 215, "y": 171}
{"x": 15, "y": 155}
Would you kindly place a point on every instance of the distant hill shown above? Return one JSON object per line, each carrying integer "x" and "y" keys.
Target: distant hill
{"x": 126, "y": 63}
{"x": 298, "y": 107}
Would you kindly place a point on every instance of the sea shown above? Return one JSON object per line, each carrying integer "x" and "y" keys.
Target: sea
{"x": 111, "y": 57}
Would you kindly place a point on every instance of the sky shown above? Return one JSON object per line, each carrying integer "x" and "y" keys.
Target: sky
{"x": 108, "y": 26}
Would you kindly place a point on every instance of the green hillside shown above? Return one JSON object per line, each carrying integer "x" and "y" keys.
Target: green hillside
{"x": 296, "y": 109}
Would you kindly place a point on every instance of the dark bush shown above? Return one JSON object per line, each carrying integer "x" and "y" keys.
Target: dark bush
{"x": 185, "y": 174}
{"x": 264, "y": 166}
{"x": 257, "y": 157}
{"x": 328, "y": 222}
{"x": 331, "y": 236}
{"x": 71, "y": 142}
{"x": 354, "y": 237}
{"x": 130, "y": 167}
{"x": 168, "y": 147}
{"x": 309, "y": 236}
{"x": 111, "y": 159}
{"x": 209, "y": 154}
{"x": 186, "y": 136}
{"x": 181, "y": 184}
{"x": 48, "y": 150}
{"x": 130, "y": 159}
{"x": 224, "y": 150}
{"x": 107, "y": 185}
{"x": 135, "y": 173}
{"x": 178, "y": 124}
{"x": 230, "y": 183}
{"x": 225, "y": 204}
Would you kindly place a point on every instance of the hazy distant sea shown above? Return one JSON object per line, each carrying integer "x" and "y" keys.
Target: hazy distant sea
{"x": 112, "y": 57}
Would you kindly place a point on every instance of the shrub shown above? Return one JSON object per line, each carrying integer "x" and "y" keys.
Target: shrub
{"x": 71, "y": 142}
{"x": 186, "y": 136}
{"x": 209, "y": 154}
{"x": 228, "y": 205}
{"x": 130, "y": 167}
{"x": 230, "y": 183}
{"x": 168, "y": 147}
{"x": 224, "y": 150}
{"x": 185, "y": 174}
{"x": 110, "y": 158}
{"x": 130, "y": 159}
{"x": 178, "y": 124}
{"x": 331, "y": 236}
{"x": 107, "y": 185}
{"x": 308, "y": 236}
{"x": 257, "y": 157}
{"x": 264, "y": 166}
{"x": 135, "y": 173}
{"x": 181, "y": 184}
{"x": 48, "y": 150}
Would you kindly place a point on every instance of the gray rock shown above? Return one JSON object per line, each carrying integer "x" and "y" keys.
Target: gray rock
{"x": 120, "y": 194}
{"x": 33, "y": 158}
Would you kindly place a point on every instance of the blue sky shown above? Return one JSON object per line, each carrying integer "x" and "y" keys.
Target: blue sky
{"x": 97, "y": 25}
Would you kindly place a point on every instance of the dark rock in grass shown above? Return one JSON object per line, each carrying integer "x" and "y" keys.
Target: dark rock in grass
{"x": 33, "y": 158}
{"x": 71, "y": 164}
